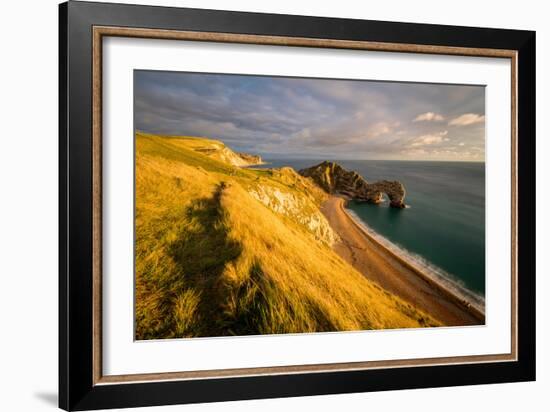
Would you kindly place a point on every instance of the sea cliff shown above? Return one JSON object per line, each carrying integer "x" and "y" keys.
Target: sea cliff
{"x": 334, "y": 179}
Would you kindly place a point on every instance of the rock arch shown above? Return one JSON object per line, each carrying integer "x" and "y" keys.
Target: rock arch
{"x": 392, "y": 188}
{"x": 333, "y": 178}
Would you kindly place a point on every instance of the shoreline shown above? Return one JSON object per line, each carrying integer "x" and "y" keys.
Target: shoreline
{"x": 444, "y": 288}
{"x": 395, "y": 273}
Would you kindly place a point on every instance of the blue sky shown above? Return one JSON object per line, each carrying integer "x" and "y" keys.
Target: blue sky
{"x": 281, "y": 117}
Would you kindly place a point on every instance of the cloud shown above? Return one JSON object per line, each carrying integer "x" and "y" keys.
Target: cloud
{"x": 381, "y": 128}
{"x": 467, "y": 119}
{"x": 308, "y": 118}
{"x": 429, "y": 117}
{"x": 430, "y": 139}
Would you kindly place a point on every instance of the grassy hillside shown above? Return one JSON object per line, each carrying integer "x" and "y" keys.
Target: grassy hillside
{"x": 222, "y": 250}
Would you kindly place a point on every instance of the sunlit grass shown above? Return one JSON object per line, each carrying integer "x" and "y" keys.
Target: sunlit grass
{"x": 212, "y": 261}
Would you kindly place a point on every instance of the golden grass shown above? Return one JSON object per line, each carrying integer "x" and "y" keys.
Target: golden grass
{"x": 213, "y": 261}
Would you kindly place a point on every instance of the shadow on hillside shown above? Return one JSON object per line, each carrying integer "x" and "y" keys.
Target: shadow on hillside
{"x": 201, "y": 253}
{"x": 252, "y": 304}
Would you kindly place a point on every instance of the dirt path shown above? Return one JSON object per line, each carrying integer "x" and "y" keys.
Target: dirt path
{"x": 382, "y": 266}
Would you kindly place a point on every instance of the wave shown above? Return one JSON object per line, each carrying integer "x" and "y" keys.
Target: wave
{"x": 435, "y": 273}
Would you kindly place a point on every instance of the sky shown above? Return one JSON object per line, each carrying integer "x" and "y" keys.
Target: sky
{"x": 282, "y": 117}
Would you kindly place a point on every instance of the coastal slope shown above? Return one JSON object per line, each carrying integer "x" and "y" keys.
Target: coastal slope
{"x": 225, "y": 250}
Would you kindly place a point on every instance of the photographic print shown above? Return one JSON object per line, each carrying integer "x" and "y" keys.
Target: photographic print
{"x": 333, "y": 202}
{"x": 271, "y": 205}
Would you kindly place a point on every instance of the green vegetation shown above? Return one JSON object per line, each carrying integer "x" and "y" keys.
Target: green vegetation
{"x": 223, "y": 250}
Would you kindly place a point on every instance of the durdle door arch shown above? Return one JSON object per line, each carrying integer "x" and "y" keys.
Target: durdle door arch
{"x": 333, "y": 178}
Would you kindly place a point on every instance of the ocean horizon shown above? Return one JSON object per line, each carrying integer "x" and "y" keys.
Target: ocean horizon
{"x": 442, "y": 229}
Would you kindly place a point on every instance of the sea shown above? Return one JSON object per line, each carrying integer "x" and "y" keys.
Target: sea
{"x": 442, "y": 230}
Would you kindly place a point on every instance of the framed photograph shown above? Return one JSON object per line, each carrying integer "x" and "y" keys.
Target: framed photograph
{"x": 257, "y": 205}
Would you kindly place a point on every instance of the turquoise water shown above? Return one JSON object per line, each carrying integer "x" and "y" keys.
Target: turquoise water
{"x": 444, "y": 227}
